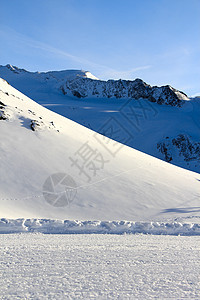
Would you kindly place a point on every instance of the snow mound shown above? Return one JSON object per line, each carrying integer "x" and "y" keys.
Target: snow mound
{"x": 49, "y": 226}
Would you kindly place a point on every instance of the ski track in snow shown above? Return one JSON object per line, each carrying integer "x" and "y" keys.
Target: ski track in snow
{"x": 37, "y": 266}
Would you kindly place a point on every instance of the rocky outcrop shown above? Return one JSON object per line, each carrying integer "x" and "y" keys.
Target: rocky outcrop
{"x": 136, "y": 89}
{"x": 181, "y": 146}
{"x": 2, "y": 111}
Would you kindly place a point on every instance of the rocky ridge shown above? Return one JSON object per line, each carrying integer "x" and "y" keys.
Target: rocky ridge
{"x": 82, "y": 84}
{"x": 136, "y": 89}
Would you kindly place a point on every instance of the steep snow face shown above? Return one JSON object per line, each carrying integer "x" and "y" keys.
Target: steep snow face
{"x": 52, "y": 167}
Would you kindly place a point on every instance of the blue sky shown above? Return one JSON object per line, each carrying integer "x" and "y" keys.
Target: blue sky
{"x": 156, "y": 40}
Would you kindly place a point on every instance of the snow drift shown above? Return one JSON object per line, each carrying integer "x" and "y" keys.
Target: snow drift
{"x": 101, "y": 227}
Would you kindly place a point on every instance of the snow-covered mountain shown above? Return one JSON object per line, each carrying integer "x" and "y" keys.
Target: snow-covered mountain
{"x": 128, "y": 111}
{"x": 42, "y": 83}
{"x": 52, "y": 167}
{"x": 58, "y": 75}
{"x": 83, "y": 84}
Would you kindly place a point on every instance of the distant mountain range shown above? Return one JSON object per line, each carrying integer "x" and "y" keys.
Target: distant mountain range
{"x": 83, "y": 84}
{"x": 160, "y": 121}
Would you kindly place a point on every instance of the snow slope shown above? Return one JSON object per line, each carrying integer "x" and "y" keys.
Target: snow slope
{"x": 96, "y": 178}
{"x": 169, "y": 132}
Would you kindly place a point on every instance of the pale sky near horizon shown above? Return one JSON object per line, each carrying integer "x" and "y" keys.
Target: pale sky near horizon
{"x": 155, "y": 40}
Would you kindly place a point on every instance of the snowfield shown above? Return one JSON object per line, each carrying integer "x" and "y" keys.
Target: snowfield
{"x": 36, "y": 266}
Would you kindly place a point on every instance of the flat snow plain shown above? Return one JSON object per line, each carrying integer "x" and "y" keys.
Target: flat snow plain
{"x": 38, "y": 266}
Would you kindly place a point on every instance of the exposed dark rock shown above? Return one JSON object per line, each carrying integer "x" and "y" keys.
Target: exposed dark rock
{"x": 2, "y": 115}
{"x": 183, "y": 146}
{"x": 137, "y": 89}
{"x": 2, "y": 104}
{"x": 34, "y": 125}
{"x": 165, "y": 151}
{"x": 188, "y": 149}
{"x": 77, "y": 94}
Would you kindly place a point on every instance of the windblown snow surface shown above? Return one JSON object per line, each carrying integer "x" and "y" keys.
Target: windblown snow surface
{"x": 36, "y": 266}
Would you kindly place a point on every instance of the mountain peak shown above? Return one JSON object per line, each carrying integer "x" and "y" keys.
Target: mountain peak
{"x": 63, "y": 74}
